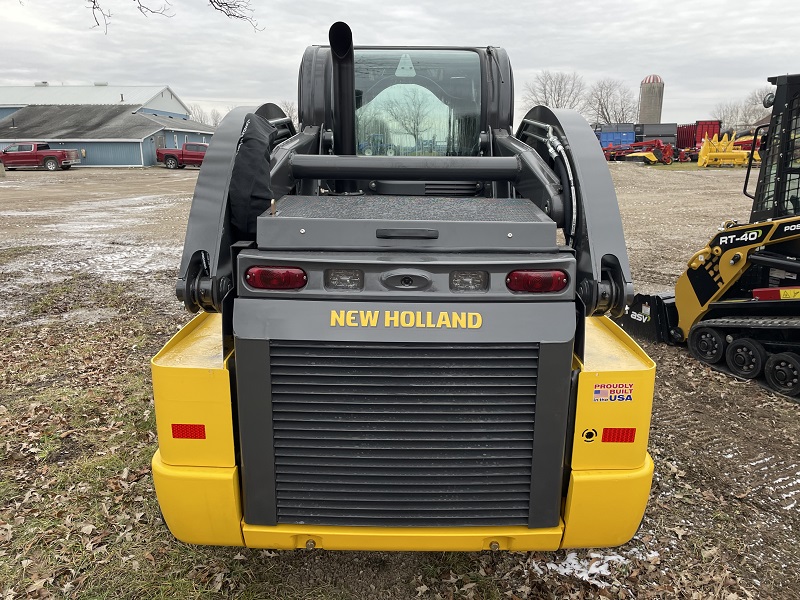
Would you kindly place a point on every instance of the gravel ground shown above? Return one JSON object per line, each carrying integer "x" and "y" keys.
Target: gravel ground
{"x": 723, "y": 517}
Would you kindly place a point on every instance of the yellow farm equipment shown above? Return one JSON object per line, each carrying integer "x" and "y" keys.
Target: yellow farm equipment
{"x": 722, "y": 153}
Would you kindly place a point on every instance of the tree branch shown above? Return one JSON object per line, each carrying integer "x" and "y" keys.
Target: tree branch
{"x": 238, "y": 10}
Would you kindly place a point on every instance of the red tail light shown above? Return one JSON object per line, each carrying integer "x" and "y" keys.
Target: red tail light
{"x": 536, "y": 281}
{"x": 276, "y": 278}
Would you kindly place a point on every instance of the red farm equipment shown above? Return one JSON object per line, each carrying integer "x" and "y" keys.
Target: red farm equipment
{"x": 650, "y": 152}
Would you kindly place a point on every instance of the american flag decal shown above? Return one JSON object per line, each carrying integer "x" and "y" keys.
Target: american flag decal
{"x": 600, "y": 394}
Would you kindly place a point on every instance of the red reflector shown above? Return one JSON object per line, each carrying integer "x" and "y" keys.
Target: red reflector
{"x": 766, "y": 294}
{"x": 536, "y": 281}
{"x": 625, "y": 435}
{"x": 787, "y": 293}
{"x": 187, "y": 431}
{"x": 276, "y": 278}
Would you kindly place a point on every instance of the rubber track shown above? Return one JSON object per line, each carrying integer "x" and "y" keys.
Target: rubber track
{"x": 753, "y": 322}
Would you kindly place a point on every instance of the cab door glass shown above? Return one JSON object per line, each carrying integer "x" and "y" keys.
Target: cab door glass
{"x": 417, "y": 102}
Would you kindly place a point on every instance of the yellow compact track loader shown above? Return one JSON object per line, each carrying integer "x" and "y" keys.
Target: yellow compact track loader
{"x": 397, "y": 349}
{"x": 738, "y": 302}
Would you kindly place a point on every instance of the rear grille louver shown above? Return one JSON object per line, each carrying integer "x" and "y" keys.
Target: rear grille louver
{"x": 403, "y": 434}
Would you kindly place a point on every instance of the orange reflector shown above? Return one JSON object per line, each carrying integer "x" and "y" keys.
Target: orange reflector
{"x": 188, "y": 431}
{"x": 624, "y": 435}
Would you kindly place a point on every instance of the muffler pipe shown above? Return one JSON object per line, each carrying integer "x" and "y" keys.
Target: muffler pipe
{"x": 344, "y": 96}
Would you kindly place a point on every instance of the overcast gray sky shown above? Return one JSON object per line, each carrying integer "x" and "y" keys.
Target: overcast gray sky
{"x": 707, "y": 51}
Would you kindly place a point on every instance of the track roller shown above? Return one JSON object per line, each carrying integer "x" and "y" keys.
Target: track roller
{"x": 745, "y": 358}
{"x": 782, "y": 372}
{"x": 707, "y": 344}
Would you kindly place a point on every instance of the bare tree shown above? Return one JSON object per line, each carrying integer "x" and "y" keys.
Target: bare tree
{"x": 290, "y": 108}
{"x": 214, "y": 117}
{"x": 728, "y": 113}
{"x": 197, "y": 113}
{"x": 742, "y": 115}
{"x": 373, "y": 134}
{"x": 611, "y": 101}
{"x": 753, "y": 108}
{"x": 238, "y": 10}
{"x": 556, "y": 89}
{"x": 411, "y": 112}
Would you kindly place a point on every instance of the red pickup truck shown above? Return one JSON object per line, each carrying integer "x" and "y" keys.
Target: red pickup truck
{"x": 192, "y": 153}
{"x": 36, "y": 154}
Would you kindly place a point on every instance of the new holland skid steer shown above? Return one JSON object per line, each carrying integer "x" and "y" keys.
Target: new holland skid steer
{"x": 738, "y": 302}
{"x": 406, "y": 351}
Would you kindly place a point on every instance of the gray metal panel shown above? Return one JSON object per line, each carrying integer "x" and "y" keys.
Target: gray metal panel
{"x": 433, "y": 271}
{"x": 543, "y": 322}
{"x": 656, "y": 129}
{"x": 407, "y": 168}
{"x": 550, "y": 433}
{"x": 257, "y": 456}
{"x": 258, "y": 320}
{"x": 459, "y": 223}
{"x": 412, "y": 208}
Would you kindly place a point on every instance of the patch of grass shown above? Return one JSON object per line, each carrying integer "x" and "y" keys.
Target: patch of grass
{"x": 8, "y": 255}
{"x": 75, "y": 293}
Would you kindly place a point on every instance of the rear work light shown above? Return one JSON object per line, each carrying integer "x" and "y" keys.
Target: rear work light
{"x": 536, "y": 281}
{"x": 469, "y": 281}
{"x": 276, "y": 278}
{"x": 351, "y": 280}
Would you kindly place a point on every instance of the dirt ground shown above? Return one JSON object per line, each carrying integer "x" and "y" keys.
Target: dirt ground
{"x": 88, "y": 260}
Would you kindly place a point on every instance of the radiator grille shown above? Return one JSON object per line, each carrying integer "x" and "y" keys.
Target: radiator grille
{"x": 403, "y": 434}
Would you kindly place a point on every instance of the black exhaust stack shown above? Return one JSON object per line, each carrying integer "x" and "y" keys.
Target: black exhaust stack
{"x": 344, "y": 96}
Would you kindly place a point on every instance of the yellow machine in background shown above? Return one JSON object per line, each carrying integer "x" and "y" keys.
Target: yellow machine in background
{"x": 737, "y": 304}
{"x": 723, "y": 153}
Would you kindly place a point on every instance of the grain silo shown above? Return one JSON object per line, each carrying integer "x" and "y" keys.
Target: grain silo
{"x": 651, "y": 97}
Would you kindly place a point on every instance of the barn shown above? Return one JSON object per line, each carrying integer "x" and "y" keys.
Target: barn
{"x": 111, "y": 126}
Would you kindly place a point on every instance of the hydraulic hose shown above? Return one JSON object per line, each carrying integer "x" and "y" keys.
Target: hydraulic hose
{"x": 571, "y": 206}
{"x": 561, "y": 171}
{"x": 556, "y": 150}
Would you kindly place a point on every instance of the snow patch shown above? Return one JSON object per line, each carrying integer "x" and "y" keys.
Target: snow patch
{"x": 591, "y": 569}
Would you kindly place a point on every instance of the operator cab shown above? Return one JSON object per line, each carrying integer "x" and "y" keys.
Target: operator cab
{"x": 413, "y": 102}
{"x": 778, "y": 191}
